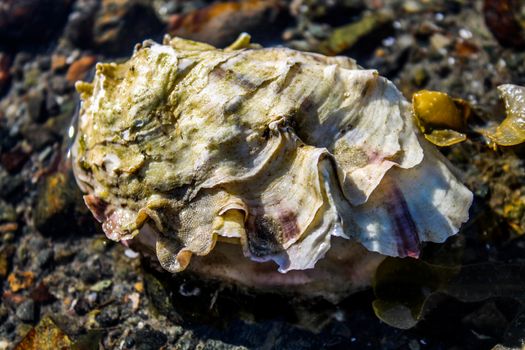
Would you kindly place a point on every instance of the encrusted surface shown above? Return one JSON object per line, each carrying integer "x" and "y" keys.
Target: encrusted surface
{"x": 274, "y": 149}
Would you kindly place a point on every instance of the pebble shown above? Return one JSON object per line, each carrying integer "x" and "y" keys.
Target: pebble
{"x": 44, "y": 257}
{"x": 149, "y": 339}
{"x": 82, "y": 307}
{"x": 79, "y": 68}
{"x": 58, "y": 62}
{"x": 35, "y": 105}
{"x": 119, "y": 25}
{"x": 439, "y": 41}
{"x": 5, "y": 75}
{"x": 26, "y": 311}
{"x": 7, "y": 212}
{"x": 109, "y": 316}
{"x": 131, "y": 253}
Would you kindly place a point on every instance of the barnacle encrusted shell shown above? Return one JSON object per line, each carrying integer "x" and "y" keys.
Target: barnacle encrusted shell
{"x": 282, "y": 152}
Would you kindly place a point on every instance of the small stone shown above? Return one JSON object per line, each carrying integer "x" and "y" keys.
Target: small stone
{"x": 82, "y": 307}
{"x": 465, "y": 49}
{"x": 100, "y": 286}
{"x": 44, "y": 62}
{"x": 20, "y": 280}
{"x": 59, "y": 207}
{"x": 149, "y": 339}
{"x": 44, "y": 257}
{"x": 89, "y": 276}
{"x": 131, "y": 253}
{"x": 26, "y": 311}
{"x": 505, "y": 21}
{"x": 4, "y": 313}
{"x": 8, "y": 227}
{"x": 35, "y": 105}
{"x": 45, "y": 335}
{"x": 79, "y": 27}
{"x": 7, "y": 212}
{"x": 6, "y": 252}
{"x": 108, "y": 316}
{"x": 420, "y": 77}
{"x": 439, "y": 41}
{"x": 99, "y": 245}
{"x": 220, "y": 23}
{"x": 119, "y": 24}
{"x": 5, "y": 76}
{"x": 79, "y": 68}
{"x": 58, "y": 62}
{"x": 14, "y": 160}
{"x": 488, "y": 320}
{"x": 186, "y": 341}
{"x": 412, "y": 6}
{"x": 9, "y": 184}
{"x": 41, "y": 294}
{"x": 52, "y": 106}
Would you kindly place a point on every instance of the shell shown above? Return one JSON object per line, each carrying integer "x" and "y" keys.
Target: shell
{"x": 511, "y": 131}
{"x": 284, "y": 153}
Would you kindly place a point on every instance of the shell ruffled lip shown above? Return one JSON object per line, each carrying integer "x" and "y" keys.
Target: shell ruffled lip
{"x": 273, "y": 149}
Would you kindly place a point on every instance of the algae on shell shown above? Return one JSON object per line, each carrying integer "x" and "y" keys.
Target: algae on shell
{"x": 185, "y": 145}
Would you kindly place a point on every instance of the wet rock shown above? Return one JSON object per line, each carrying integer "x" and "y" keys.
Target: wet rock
{"x": 4, "y": 314}
{"x": 503, "y": 19}
{"x": 79, "y": 27}
{"x": 20, "y": 280}
{"x": 43, "y": 258}
{"x": 148, "y": 339}
{"x": 35, "y": 105}
{"x": 439, "y": 41}
{"x": 26, "y": 311}
{"x": 59, "y": 207}
{"x": 58, "y": 62}
{"x": 41, "y": 294}
{"x": 7, "y": 141}
{"x": 31, "y": 20}
{"x": 45, "y": 335}
{"x": 159, "y": 297}
{"x": 109, "y": 316}
{"x": 5, "y": 76}
{"x": 14, "y": 159}
{"x": 219, "y": 24}
{"x": 7, "y": 212}
{"x": 465, "y": 49}
{"x": 79, "y": 68}
{"x": 488, "y": 320}
{"x": 39, "y": 136}
{"x": 52, "y": 105}
{"x": 89, "y": 276}
{"x": 9, "y": 184}
{"x": 82, "y": 307}
{"x": 6, "y": 252}
{"x": 187, "y": 341}
{"x": 345, "y": 37}
{"x": 120, "y": 24}
{"x": 101, "y": 285}
{"x": 8, "y": 228}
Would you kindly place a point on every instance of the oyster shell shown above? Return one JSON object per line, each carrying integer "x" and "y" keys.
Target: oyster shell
{"x": 184, "y": 147}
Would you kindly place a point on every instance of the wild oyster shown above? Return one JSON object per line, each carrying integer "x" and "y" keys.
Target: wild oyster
{"x": 293, "y": 156}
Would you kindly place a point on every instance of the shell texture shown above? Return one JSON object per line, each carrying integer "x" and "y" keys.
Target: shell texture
{"x": 185, "y": 145}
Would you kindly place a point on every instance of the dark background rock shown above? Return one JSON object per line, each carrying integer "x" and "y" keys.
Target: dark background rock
{"x": 31, "y": 20}
{"x": 149, "y": 339}
{"x": 120, "y": 24}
